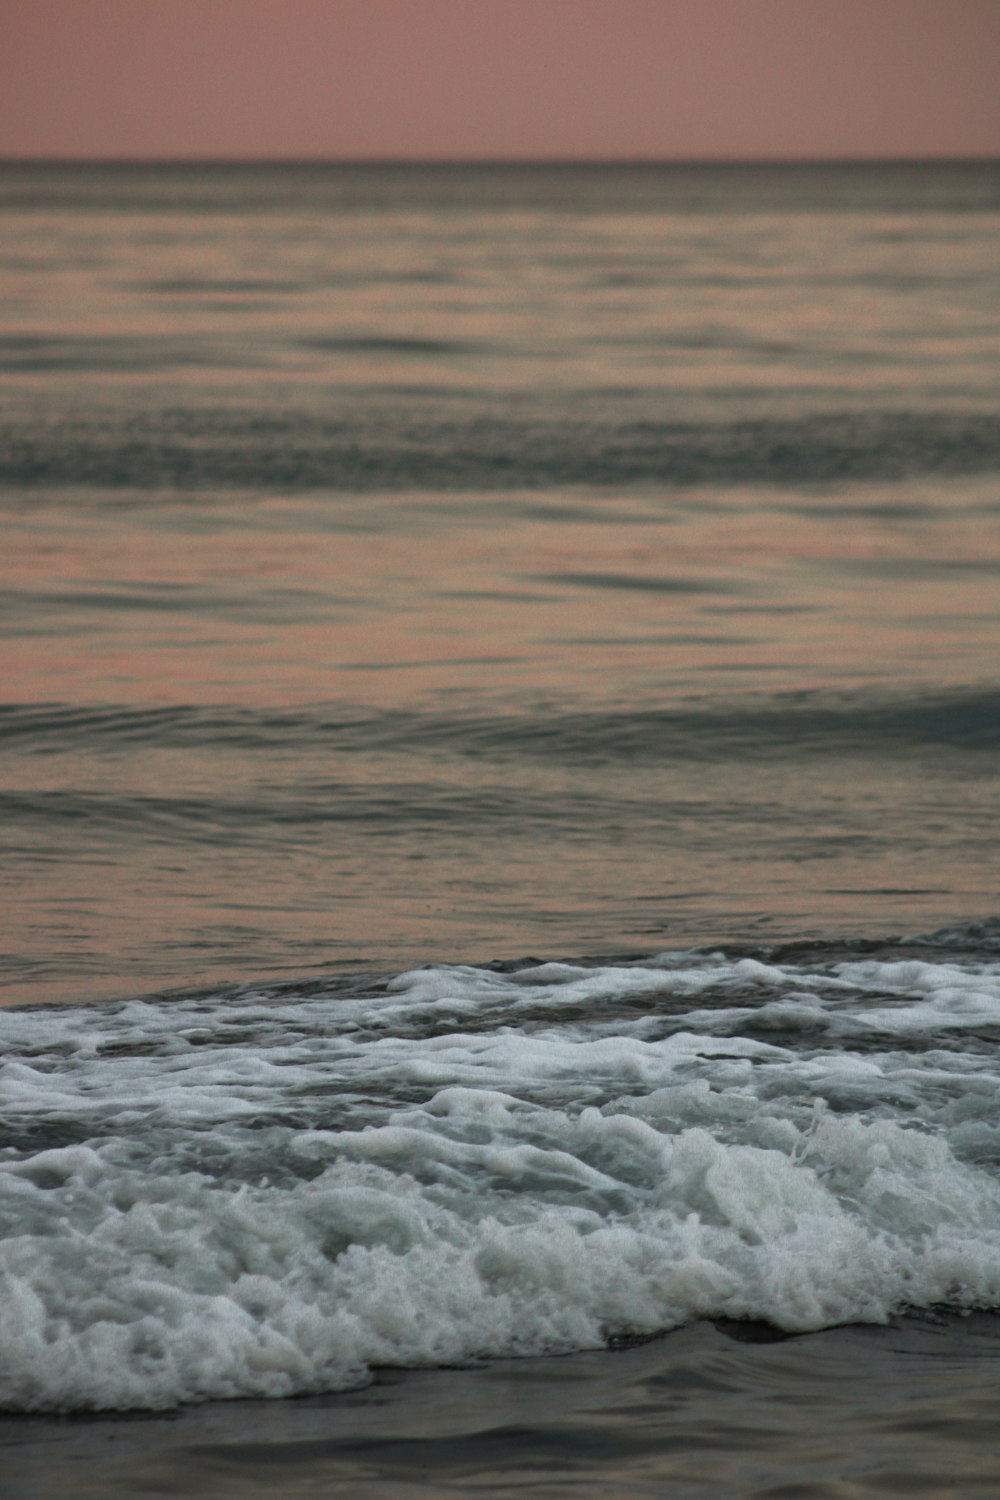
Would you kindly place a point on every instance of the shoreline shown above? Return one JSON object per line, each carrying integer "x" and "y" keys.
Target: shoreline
{"x": 848, "y": 1411}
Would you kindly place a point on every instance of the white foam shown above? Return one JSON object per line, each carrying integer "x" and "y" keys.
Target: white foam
{"x": 245, "y": 1198}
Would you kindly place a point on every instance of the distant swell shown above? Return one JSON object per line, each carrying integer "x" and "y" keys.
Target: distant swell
{"x": 395, "y": 448}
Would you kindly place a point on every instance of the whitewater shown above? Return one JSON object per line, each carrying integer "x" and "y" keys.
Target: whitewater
{"x": 255, "y": 1194}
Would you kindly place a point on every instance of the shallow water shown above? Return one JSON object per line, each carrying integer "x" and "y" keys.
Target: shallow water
{"x": 408, "y": 572}
{"x": 841, "y": 1415}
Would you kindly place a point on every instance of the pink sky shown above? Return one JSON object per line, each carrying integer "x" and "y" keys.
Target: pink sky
{"x": 499, "y": 78}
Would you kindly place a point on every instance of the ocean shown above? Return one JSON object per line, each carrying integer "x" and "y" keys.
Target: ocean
{"x": 499, "y": 741}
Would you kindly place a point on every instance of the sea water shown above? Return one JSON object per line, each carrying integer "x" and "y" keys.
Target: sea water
{"x": 499, "y": 801}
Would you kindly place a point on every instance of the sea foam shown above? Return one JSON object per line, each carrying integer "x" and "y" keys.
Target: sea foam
{"x": 249, "y": 1195}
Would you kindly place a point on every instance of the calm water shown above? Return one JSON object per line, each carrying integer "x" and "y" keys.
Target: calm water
{"x": 500, "y": 726}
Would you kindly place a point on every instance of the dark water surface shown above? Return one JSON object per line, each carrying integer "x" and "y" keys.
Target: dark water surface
{"x": 423, "y": 563}
{"x": 845, "y": 1415}
{"x": 442, "y": 566}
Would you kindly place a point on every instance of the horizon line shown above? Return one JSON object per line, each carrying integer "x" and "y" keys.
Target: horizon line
{"x": 941, "y": 159}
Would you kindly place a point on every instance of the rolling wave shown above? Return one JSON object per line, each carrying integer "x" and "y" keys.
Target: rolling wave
{"x": 792, "y": 724}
